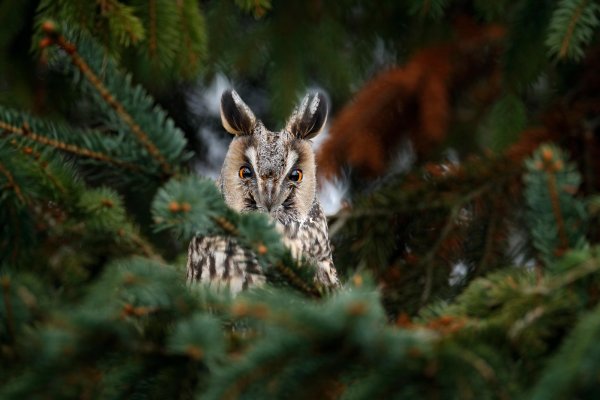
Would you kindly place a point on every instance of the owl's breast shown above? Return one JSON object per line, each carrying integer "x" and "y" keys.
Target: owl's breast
{"x": 308, "y": 238}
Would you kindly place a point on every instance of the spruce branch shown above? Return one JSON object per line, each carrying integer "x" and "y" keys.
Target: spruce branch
{"x": 106, "y": 216}
{"x": 11, "y": 184}
{"x": 142, "y": 244}
{"x": 106, "y": 95}
{"x": 556, "y": 218}
{"x": 525, "y": 56}
{"x": 573, "y": 275}
{"x": 258, "y": 7}
{"x": 297, "y": 282}
{"x": 164, "y": 32}
{"x": 564, "y": 47}
{"x": 428, "y": 259}
{"x": 192, "y": 25}
{"x": 506, "y": 121}
{"x": 26, "y": 132}
{"x": 428, "y": 8}
{"x": 111, "y": 20}
{"x": 572, "y": 370}
{"x": 226, "y": 225}
{"x": 237, "y": 386}
{"x": 122, "y": 22}
{"x": 572, "y": 27}
{"x": 152, "y": 41}
{"x": 555, "y": 201}
{"x": 43, "y": 165}
{"x": 485, "y": 370}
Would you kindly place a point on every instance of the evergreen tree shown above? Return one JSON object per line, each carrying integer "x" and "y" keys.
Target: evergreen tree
{"x": 471, "y": 269}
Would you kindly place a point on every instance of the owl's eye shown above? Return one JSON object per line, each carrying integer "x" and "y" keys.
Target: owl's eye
{"x": 245, "y": 172}
{"x": 296, "y": 175}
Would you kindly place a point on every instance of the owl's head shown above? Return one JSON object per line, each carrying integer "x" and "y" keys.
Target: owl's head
{"x": 271, "y": 172}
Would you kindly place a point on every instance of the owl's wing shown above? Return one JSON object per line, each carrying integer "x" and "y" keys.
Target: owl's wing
{"x": 221, "y": 263}
{"x": 311, "y": 240}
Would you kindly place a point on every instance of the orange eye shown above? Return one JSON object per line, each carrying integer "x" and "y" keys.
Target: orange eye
{"x": 296, "y": 175}
{"x": 245, "y": 172}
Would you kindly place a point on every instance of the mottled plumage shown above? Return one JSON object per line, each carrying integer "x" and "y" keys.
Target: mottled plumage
{"x": 272, "y": 173}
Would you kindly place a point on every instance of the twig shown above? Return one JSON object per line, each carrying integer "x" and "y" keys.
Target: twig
{"x": 574, "y": 274}
{"x": 152, "y": 42}
{"x": 11, "y": 183}
{"x": 489, "y": 239}
{"x": 145, "y": 247}
{"x": 428, "y": 258}
{"x": 5, "y": 283}
{"x": 36, "y": 155}
{"x": 226, "y": 225}
{"x": 555, "y": 201}
{"x": 564, "y": 46}
{"x": 485, "y": 371}
{"x": 26, "y": 132}
{"x": 256, "y": 373}
{"x": 292, "y": 278}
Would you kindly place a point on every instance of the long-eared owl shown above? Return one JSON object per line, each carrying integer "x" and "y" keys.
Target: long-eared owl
{"x": 272, "y": 173}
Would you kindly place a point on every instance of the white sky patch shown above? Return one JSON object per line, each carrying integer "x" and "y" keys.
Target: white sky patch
{"x": 209, "y": 98}
{"x": 215, "y": 154}
{"x": 332, "y": 195}
{"x": 205, "y": 101}
{"x": 458, "y": 273}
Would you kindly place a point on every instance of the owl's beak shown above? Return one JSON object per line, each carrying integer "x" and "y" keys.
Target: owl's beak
{"x": 268, "y": 204}
{"x": 269, "y": 195}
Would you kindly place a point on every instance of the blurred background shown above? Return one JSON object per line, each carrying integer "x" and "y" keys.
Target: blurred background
{"x": 460, "y": 171}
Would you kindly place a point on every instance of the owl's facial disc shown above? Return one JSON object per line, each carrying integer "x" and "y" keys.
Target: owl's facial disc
{"x": 273, "y": 182}
{"x": 270, "y": 172}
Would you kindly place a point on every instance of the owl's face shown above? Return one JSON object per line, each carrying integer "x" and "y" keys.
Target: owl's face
{"x": 271, "y": 172}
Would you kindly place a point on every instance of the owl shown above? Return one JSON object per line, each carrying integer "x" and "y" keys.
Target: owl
{"x": 272, "y": 173}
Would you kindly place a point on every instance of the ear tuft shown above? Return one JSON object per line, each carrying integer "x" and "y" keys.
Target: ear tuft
{"x": 236, "y": 116}
{"x": 308, "y": 119}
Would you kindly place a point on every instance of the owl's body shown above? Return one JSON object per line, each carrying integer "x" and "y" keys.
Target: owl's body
{"x": 272, "y": 173}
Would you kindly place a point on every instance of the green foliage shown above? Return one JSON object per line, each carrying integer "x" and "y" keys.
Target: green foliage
{"x": 141, "y": 318}
{"x": 161, "y": 45}
{"x": 31, "y": 181}
{"x": 556, "y": 217}
{"x": 491, "y": 10}
{"x": 124, "y": 107}
{"x": 507, "y": 119}
{"x": 525, "y": 56}
{"x": 258, "y": 8}
{"x": 191, "y": 53}
{"x": 139, "y": 139}
{"x": 187, "y": 207}
{"x": 171, "y": 36}
{"x": 97, "y": 207}
{"x": 199, "y": 337}
{"x": 104, "y": 208}
{"x": 572, "y": 27}
{"x": 116, "y": 20}
{"x": 571, "y": 371}
{"x": 456, "y": 208}
{"x": 428, "y": 8}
